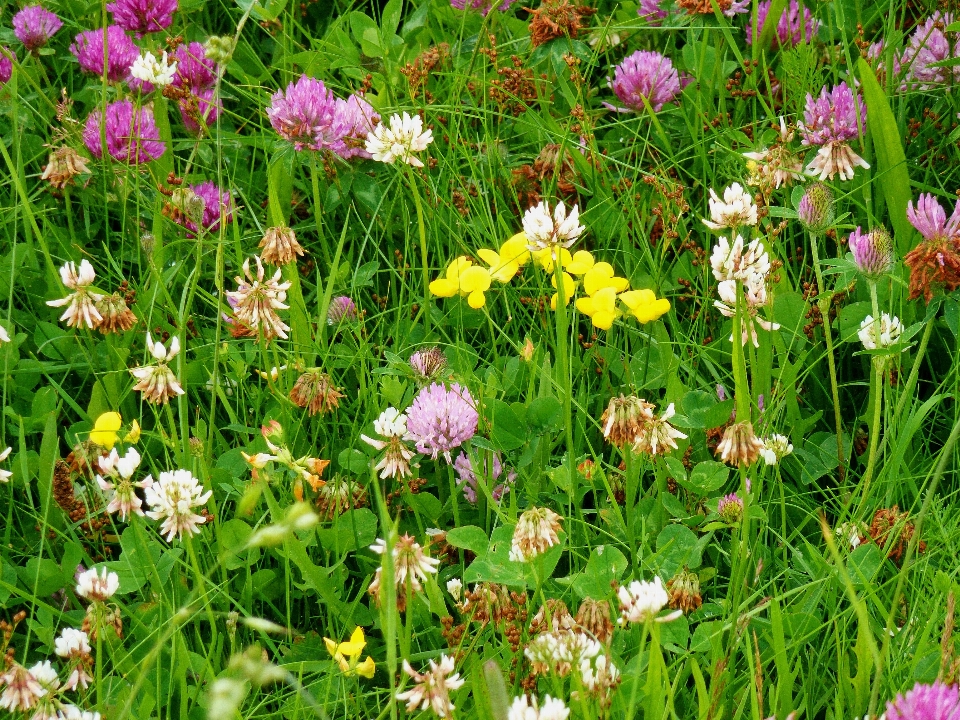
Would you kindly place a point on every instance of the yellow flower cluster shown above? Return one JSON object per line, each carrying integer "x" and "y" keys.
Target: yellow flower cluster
{"x": 601, "y": 286}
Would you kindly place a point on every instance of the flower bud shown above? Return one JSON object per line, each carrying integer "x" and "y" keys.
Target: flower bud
{"x": 872, "y": 251}
{"x": 816, "y": 208}
{"x": 219, "y": 48}
{"x": 730, "y": 508}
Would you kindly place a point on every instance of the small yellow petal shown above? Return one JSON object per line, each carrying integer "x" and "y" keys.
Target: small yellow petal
{"x": 457, "y": 267}
{"x": 490, "y": 257}
{"x": 104, "y": 431}
{"x": 476, "y": 299}
{"x": 342, "y": 662}
{"x": 515, "y": 249}
{"x": 586, "y": 306}
{"x": 597, "y": 277}
{"x": 603, "y": 320}
{"x": 442, "y": 287}
{"x": 653, "y": 311}
{"x": 581, "y": 262}
{"x": 474, "y": 279}
{"x": 367, "y": 668}
{"x": 134, "y": 434}
{"x": 331, "y": 646}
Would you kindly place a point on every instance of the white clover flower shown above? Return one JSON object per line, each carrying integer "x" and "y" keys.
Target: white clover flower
{"x": 526, "y": 707}
{"x": 545, "y": 232}
{"x": 641, "y": 601}
{"x": 257, "y": 300}
{"x": 121, "y": 491}
{"x": 81, "y": 303}
{"x": 94, "y": 586}
{"x": 21, "y": 690}
{"x": 157, "y": 72}
{"x": 535, "y": 533}
{"x": 404, "y": 137}
{"x": 775, "y": 448}
{"x": 736, "y": 209}
{"x": 455, "y": 588}
{"x": 157, "y": 382}
{"x": 72, "y": 642}
{"x": 391, "y": 423}
{"x": 890, "y": 329}
{"x": 172, "y": 499}
{"x": 431, "y": 689}
{"x": 5, "y": 475}
{"x": 734, "y": 262}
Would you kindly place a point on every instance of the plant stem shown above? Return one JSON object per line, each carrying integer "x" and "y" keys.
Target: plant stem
{"x": 563, "y": 367}
{"x": 823, "y": 302}
{"x": 422, "y": 229}
{"x": 876, "y": 395}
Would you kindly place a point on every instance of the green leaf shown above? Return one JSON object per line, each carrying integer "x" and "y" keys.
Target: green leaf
{"x": 543, "y": 415}
{"x": 231, "y": 544}
{"x": 677, "y": 547}
{"x": 353, "y": 530}
{"x": 468, "y": 537}
{"x": 507, "y": 430}
{"x": 390, "y": 20}
{"x": 605, "y": 564}
{"x": 706, "y": 477}
{"x": 894, "y": 180}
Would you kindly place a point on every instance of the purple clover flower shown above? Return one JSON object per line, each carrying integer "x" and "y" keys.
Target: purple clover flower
{"x": 441, "y": 419}
{"x": 645, "y": 74}
{"x": 306, "y": 115}
{"x": 930, "y": 219}
{"x": 355, "y": 117}
{"x": 832, "y": 117}
{"x": 121, "y": 52}
{"x": 730, "y": 508}
{"x": 929, "y": 45}
{"x": 468, "y": 479}
{"x": 209, "y": 110}
{"x": 926, "y": 702}
{"x": 143, "y": 16}
{"x": 484, "y": 6}
{"x": 131, "y": 134}
{"x": 195, "y": 71}
{"x": 791, "y": 30}
{"x": 35, "y": 25}
{"x": 217, "y": 206}
{"x": 652, "y": 11}
{"x": 872, "y": 251}
{"x": 7, "y": 56}
{"x": 342, "y": 309}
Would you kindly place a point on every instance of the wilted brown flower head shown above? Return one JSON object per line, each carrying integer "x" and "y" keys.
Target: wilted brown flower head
{"x": 116, "y": 316}
{"x": 626, "y": 419}
{"x": 64, "y": 165}
{"x": 559, "y": 617}
{"x": 315, "y": 391}
{"x": 892, "y": 529}
{"x": 557, "y": 18}
{"x": 740, "y": 446}
{"x": 593, "y": 616}
{"x": 280, "y": 246}
{"x": 934, "y": 265}
{"x": 338, "y": 495}
{"x": 684, "y": 591}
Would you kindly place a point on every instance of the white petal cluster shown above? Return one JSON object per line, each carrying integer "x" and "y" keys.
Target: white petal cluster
{"x": 395, "y": 461}
{"x": 736, "y": 209}
{"x": 431, "y": 690}
{"x": 835, "y": 158}
{"x": 526, "y": 707}
{"x": 391, "y": 423}
{"x": 455, "y": 588}
{"x": 535, "y": 533}
{"x": 157, "y": 382}
{"x": 404, "y": 137}
{"x": 641, "y": 601}
{"x": 81, "y": 303}
{"x": 257, "y": 300}
{"x": 158, "y": 72}
{"x": 172, "y": 499}
{"x": 94, "y": 586}
{"x": 890, "y": 329}
{"x": 545, "y": 232}
{"x": 735, "y": 265}
{"x": 117, "y": 485}
{"x": 775, "y": 448}
{"x": 5, "y": 475}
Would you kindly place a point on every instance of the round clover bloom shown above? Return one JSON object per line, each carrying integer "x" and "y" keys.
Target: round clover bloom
{"x": 172, "y": 498}
{"x": 483, "y": 6}
{"x": 815, "y": 209}
{"x": 195, "y": 70}
{"x": 468, "y": 478}
{"x": 409, "y": 562}
{"x": 551, "y": 233}
{"x": 95, "y": 586}
{"x": 131, "y": 134}
{"x": 830, "y": 122}
{"x": 659, "y": 437}
{"x": 392, "y": 425}
{"x": 149, "y": 72}
{"x": 929, "y": 45}
{"x": 791, "y": 29}
{"x": 315, "y": 391}
{"x": 404, "y": 137}
{"x": 937, "y": 701}
{"x": 737, "y": 208}
{"x": 626, "y": 420}
{"x": 7, "y": 56}
{"x": 280, "y": 246}
{"x": 21, "y": 690}
{"x": 63, "y": 166}
{"x": 431, "y": 689}
{"x": 739, "y": 445}
{"x": 217, "y": 208}
{"x": 258, "y": 299}
{"x": 158, "y": 382}
{"x": 775, "y": 448}
{"x": 889, "y": 331}
{"x": 526, "y": 707}
{"x": 428, "y": 364}
{"x": 74, "y": 646}
{"x": 730, "y": 508}
{"x": 645, "y": 77}
{"x": 535, "y": 533}
{"x": 143, "y": 16}
{"x": 872, "y": 251}
{"x": 81, "y": 303}
{"x": 652, "y": 11}
{"x": 35, "y": 25}
{"x": 117, "y": 484}
{"x": 441, "y": 419}
{"x": 775, "y": 165}
{"x": 116, "y": 316}
{"x": 121, "y": 52}
{"x": 305, "y": 114}
{"x": 935, "y": 262}
{"x": 342, "y": 309}
{"x": 356, "y": 119}
{"x": 641, "y": 601}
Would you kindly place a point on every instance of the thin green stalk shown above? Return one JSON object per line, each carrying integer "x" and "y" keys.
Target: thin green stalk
{"x": 563, "y": 367}
{"x": 877, "y": 365}
{"x": 318, "y": 212}
{"x": 422, "y": 230}
{"x": 823, "y": 302}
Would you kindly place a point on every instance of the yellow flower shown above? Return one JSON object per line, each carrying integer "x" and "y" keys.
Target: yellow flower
{"x": 569, "y": 288}
{"x": 544, "y": 258}
{"x": 347, "y": 655}
{"x": 601, "y": 276}
{"x": 104, "y": 431}
{"x": 580, "y": 263}
{"x": 134, "y": 434}
{"x": 506, "y": 263}
{"x": 644, "y": 306}
{"x": 601, "y": 307}
{"x": 465, "y": 278}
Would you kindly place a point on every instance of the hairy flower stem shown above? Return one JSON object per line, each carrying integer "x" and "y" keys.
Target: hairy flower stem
{"x": 823, "y": 302}
{"x": 876, "y": 396}
{"x": 318, "y": 213}
{"x": 563, "y": 366}
{"x": 422, "y": 229}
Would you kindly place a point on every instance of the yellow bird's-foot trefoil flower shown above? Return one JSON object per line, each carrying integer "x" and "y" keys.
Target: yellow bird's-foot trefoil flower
{"x": 601, "y": 307}
{"x": 347, "y": 655}
{"x": 644, "y": 305}
{"x": 463, "y": 278}
{"x": 105, "y": 429}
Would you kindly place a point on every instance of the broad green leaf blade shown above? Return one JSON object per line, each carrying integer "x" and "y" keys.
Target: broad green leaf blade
{"x": 891, "y": 161}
